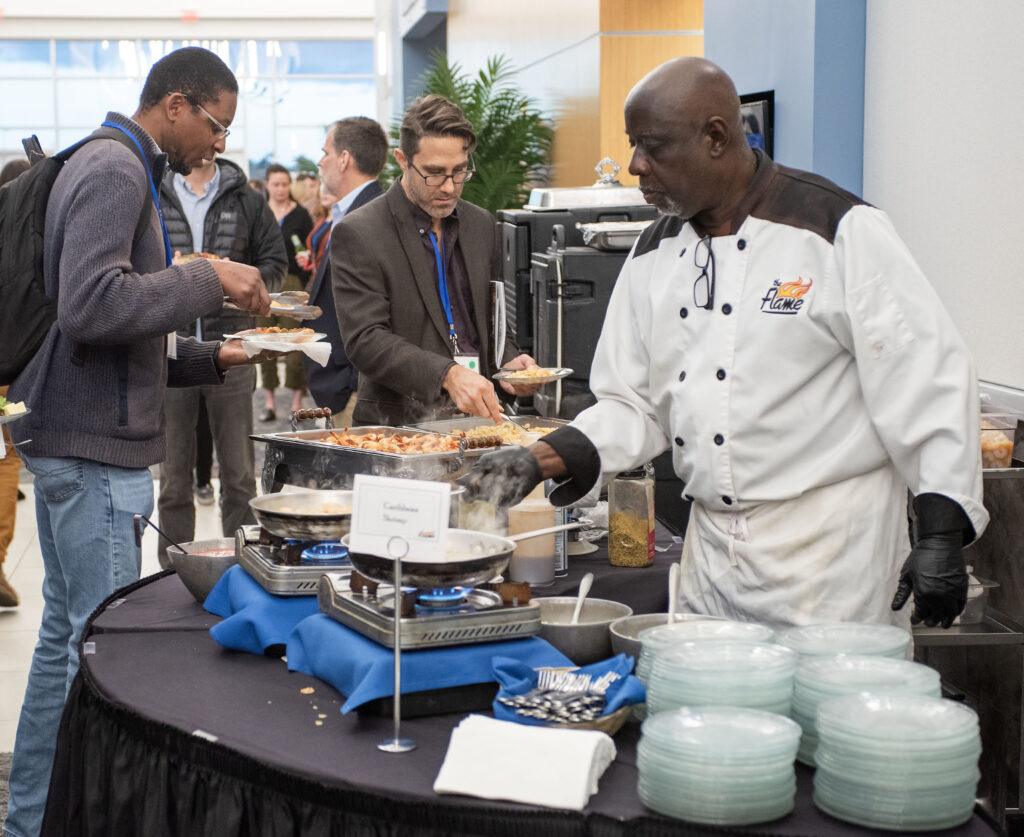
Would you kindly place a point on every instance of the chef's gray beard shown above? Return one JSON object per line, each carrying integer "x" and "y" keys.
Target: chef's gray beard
{"x": 668, "y": 206}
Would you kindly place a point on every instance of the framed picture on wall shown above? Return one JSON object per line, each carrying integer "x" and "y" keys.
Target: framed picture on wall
{"x": 758, "y": 112}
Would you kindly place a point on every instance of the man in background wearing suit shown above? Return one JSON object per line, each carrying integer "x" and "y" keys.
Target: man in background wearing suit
{"x": 412, "y": 277}
{"x": 354, "y": 154}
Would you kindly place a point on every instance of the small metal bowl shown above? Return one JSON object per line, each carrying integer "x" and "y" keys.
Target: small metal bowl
{"x": 588, "y": 640}
{"x": 625, "y": 632}
{"x": 199, "y": 572}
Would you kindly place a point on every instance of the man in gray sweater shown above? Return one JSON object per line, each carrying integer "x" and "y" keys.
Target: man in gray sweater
{"x": 96, "y": 385}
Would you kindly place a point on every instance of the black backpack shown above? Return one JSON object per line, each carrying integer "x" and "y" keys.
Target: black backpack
{"x": 26, "y": 312}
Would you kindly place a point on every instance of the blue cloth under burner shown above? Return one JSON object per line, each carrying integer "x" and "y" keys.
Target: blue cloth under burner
{"x": 363, "y": 670}
{"x": 253, "y": 618}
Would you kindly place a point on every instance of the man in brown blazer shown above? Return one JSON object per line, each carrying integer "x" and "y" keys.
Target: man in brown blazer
{"x": 412, "y": 283}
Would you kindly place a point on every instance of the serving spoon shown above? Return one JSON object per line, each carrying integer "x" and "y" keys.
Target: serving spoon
{"x": 585, "y": 583}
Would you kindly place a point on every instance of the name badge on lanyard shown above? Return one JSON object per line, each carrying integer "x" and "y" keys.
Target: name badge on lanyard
{"x": 471, "y": 362}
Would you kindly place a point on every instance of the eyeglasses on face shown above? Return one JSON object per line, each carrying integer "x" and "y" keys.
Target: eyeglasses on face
{"x": 458, "y": 178}
{"x": 220, "y": 132}
{"x": 704, "y": 285}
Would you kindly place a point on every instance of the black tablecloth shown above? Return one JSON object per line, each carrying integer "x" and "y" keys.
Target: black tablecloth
{"x": 167, "y": 733}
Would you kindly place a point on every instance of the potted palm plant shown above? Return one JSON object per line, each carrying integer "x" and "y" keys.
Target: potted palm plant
{"x": 513, "y": 137}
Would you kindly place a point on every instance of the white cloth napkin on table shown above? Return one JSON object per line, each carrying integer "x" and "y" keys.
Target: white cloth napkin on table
{"x": 316, "y": 350}
{"x": 492, "y": 759}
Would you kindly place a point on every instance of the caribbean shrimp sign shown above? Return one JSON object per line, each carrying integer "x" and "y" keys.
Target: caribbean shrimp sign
{"x": 786, "y": 297}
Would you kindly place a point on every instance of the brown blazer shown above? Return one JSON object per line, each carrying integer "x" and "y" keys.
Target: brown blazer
{"x": 389, "y": 309}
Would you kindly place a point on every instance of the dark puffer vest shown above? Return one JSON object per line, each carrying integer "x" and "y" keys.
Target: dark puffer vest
{"x": 239, "y": 226}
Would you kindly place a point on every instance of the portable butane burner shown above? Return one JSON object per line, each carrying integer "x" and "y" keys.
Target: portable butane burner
{"x": 287, "y": 567}
{"x": 431, "y": 618}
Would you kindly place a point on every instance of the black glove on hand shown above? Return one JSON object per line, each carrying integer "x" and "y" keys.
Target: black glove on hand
{"x": 934, "y": 571}
{"x": 503, "y": 477}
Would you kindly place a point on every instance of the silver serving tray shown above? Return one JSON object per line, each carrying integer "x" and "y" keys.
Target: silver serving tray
{"x": 423, "y": 630}
{"x": 303, "y": 458}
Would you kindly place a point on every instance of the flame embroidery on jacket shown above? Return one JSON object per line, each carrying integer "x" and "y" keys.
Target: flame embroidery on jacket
{"x": 786, "y": 297}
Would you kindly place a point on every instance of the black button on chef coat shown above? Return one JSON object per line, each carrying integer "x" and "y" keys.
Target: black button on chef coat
{"x": 741, "y": 244}
{"x": 679, "y": 441}
{"x": 727, "y": 500}
{"x": 682, "y": 375}
{"x": 727, "y": 309}
{"x": 720, "y": 374}
{"x": 719, "y": 439}
{"x": 683, "y": 313}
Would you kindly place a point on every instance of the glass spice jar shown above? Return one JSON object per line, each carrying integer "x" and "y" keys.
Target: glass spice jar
{"x": 631, "y": 518}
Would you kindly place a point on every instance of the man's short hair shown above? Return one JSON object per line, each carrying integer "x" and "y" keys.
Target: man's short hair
{"x": 194, "y": 71}
{"x": 365, "y": 140}
{"x": 433, "y": 116}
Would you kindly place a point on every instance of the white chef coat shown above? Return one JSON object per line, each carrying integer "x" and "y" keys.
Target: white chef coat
{"x": 827, "y": 355}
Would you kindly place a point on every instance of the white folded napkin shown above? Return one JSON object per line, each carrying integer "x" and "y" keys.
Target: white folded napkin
{"x": 316, "y": 350}
{"x": 492, "y": 759}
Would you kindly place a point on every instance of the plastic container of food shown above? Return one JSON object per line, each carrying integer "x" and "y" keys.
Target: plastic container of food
{"x": 997, "y": 431}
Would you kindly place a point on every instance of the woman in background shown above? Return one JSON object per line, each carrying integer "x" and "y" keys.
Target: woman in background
{"x": 295, "y": 225}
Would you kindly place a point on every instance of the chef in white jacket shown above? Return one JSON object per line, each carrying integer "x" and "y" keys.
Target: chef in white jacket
{"x": 775, "y": 333}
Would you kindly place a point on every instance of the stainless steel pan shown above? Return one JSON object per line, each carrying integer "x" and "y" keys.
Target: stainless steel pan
{"x": 305, "y": 515}
{"x": 473, "y": 558}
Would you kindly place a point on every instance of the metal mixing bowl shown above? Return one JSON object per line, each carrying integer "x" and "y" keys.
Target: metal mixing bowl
{"x": 199, "y": 573}
{"x": 625, "y": 632}
{"x": 588, "y": 640}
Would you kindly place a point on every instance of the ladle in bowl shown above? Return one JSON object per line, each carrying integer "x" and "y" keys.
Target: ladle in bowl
{"x": 585, "y": 583}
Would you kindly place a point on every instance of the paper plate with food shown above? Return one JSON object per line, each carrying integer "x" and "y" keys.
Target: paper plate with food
{"x": 276, "y": 334}
{"x": 12, "y": 410}
{"x": 532, "y": 374}
{"x": 191, "y": 257}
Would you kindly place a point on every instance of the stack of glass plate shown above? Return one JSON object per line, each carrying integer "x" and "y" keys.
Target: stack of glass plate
{"x": 723, "y": 673}
{"x": 663, "y": 637}
{"x": 901, "y": 762}
{"x": 830, "y": 638}
{"x": 820, "y": 678}
{"x": 718, "y": 765}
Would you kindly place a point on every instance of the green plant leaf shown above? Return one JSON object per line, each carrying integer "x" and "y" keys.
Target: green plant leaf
{"x": 514, "y": 138}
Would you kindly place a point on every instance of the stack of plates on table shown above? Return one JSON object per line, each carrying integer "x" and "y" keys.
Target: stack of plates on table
{"x": 901, "y": 762}
{"x": 723, "y": 673}
{"x": 821, "y": 678}
{"x": 830, "y": 638}
{"x": 663, "y": 637}
{"x": 718, "y": 765}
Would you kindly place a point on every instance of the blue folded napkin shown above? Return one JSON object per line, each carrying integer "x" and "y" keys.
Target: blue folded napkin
{"x": 362, "y": 670}
{"x": 516, "y": 678}
{"x": 253, "y": 618}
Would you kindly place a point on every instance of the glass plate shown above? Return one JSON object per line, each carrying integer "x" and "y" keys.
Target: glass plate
{"x": 514, "y": 376}
{"x": 15, "y": 417}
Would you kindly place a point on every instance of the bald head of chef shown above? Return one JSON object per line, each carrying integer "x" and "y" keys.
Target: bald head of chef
{"x": 690, "y": 152}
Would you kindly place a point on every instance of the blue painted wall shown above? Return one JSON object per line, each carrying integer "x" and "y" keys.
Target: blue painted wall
{"x": 811, "y": 53}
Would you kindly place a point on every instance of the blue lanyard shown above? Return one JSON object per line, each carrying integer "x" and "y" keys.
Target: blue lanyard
{"x": 442, "y": 286}
{"x": 152, "y": 188}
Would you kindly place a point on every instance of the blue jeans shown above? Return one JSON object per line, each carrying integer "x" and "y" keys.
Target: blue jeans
{"x": 84, "y": 513}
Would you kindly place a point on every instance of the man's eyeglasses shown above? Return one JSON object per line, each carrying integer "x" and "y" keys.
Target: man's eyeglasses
{"x": 221, "y": 132}
{"x": 458, "y": 178}
{"x": 704, "y": 286}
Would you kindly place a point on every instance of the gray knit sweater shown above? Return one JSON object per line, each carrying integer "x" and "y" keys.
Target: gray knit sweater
{"x": 117, "y": 301}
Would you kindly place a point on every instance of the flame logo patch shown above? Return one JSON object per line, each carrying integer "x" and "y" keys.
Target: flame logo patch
{"x": 786, "y": 297}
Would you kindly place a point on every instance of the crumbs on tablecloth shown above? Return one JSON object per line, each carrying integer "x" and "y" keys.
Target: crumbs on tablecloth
{"x": 319, "y": 723}
{"x": 308, "y": 690}
{"x": 321, "y": 715}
